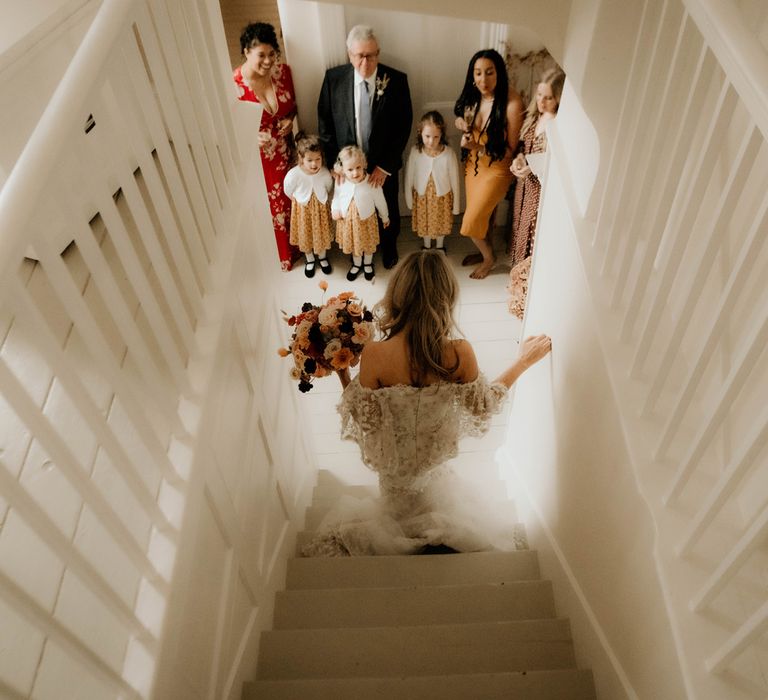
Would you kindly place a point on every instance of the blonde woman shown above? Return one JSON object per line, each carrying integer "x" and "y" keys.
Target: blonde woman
{"x": 533, "y": 139}
{"x": 541, "y": 111}
{"x": 418, "y": 391}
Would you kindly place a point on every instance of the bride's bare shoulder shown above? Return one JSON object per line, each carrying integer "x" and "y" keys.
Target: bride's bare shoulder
{"x": 370, "y": 362}
{"x": 468, "y": 369}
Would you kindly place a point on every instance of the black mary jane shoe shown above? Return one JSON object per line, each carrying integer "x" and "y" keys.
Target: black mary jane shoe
{"x": 442, "y": 249}
{"x": 368, "y": 272}
{"x": 309, "y": 268}
{"x": 390, "y": 261}
{"x": 325, "y": 266}
{"x": 425, "y": 247}
{"x": 354, "y": 271}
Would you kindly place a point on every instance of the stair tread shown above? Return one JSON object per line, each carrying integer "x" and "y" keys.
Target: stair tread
{"x": 538, "y": 629}
{"x": 409, "y": 570}
{"x": 559, "y": 684}
{"x": 364, "y": 607}
{"x": 482, "y": 647}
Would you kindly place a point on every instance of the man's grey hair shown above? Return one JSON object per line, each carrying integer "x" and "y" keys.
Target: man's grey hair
{"x": 360, "y": 32}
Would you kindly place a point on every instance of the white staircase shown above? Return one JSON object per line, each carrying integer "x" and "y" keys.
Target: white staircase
{"x": 476, "y": 625}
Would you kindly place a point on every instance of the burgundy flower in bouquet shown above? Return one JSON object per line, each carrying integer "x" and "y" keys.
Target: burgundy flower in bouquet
{"x": 327, "y": 338}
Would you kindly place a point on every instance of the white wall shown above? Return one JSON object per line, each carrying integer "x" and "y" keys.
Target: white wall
{"x": 592, "y": 523}
{"x": 568, "y": 450}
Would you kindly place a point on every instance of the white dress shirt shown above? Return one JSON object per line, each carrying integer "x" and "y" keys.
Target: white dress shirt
{"x": 443, "y": 168}
{"x": 367, "y": 199}
{"x": 299, "y": 185}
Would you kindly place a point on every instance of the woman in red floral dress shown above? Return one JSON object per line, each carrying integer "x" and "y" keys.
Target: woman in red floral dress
{"x": 263, "y": 80}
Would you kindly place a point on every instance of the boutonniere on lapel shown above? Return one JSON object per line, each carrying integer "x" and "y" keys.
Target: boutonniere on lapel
{"x": 381, "y": 85}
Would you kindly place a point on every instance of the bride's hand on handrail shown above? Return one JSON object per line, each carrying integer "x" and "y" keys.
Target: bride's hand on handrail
{"x": 534, "y": 348}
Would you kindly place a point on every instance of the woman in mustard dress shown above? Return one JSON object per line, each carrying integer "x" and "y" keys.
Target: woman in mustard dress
{"x": 489, "y": 113}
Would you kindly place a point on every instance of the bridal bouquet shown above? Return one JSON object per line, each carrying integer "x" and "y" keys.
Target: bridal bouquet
{"x": 328, "y": 337}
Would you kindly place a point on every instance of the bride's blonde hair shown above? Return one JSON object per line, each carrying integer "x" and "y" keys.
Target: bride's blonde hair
{"x": 419, "y": 302}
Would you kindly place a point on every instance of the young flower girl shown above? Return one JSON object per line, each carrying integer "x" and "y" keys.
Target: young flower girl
{"x": 432, "y": 182}
{"x": 354, "y": 207}
{"x": 308, "y": 185}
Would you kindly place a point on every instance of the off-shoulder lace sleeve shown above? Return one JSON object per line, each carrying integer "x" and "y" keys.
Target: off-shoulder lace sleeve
{"x": 360, "y": 412}
{"x": 480, "y": 400}
{"x": 404, "y": 432}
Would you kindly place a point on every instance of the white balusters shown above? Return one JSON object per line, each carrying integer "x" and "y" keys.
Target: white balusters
{"x": 682, "y": 212}
{"x": 632, "y": 130}
{"x": 735, "y": 286}
{"x": 148, "y": 197}
{"x": 680, "y": 245}
{"x": 740, "y": 170}
{"x": 633, "y": 216}
{"x": 29, "y": 315}
{"x": 727, "y": 484}
{"x": 750, "y": 632}
{"x": 736, "y": 558}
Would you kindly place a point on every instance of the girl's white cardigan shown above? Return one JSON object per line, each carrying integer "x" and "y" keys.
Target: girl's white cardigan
{"x": 299, "y": 185}
{"x": 443, "y": 168}
{"x": 367, "y": 199}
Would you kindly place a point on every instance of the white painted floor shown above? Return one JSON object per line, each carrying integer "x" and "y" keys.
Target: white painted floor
{"x": 482, "y": 317}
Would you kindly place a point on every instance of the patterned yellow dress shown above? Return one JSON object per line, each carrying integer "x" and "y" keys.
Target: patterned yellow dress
{"x": 432, "y": 214}
{"x": 357, "y": 232}
{"x": 431, "y": 191}
{"x": 310, "y": 211}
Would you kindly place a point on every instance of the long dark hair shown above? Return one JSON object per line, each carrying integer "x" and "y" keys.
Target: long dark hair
{"x": 419, "y": 303}
{"x": 496, "y": 147}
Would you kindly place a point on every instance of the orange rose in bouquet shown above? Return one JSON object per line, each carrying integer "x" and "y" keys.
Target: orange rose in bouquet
{"x": 327, "y": 338}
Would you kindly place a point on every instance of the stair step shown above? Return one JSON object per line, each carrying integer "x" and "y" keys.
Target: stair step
{"x": 482, "y": 647}
{"x": 404, "y": 571}
{"x": 328, "y": 494}
{"x": 425, "y": 605}
{"x": 568, "y": 684}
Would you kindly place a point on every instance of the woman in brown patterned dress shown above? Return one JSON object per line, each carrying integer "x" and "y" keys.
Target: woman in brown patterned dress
{"x": 541, "y": 111}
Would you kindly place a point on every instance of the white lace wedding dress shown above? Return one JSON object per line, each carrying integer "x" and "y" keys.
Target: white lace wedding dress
{"x": 406, "y": 435}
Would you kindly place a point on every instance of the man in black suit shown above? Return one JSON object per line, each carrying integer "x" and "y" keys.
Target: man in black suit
{"x": 341, "y": 112}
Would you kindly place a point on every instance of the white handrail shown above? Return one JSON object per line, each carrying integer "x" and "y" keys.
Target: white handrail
{"x": 22, "y": 191}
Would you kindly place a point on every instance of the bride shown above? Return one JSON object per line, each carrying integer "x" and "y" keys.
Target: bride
{"x": 419, "y": 390}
